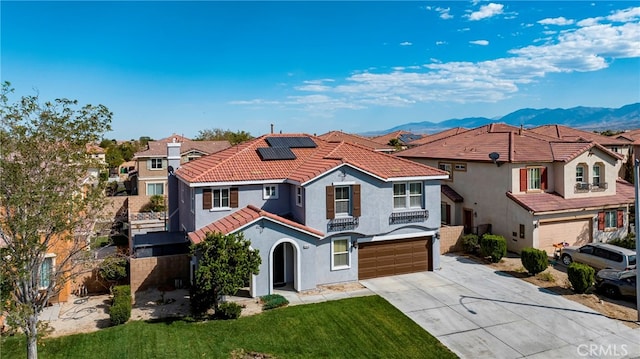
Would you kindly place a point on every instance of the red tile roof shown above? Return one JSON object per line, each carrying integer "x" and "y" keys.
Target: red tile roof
{"x": 159, "y": 148}
{"x": 242, "y": 163}
{"x": 339, "y": 136}
{"x": 550, "y": 202}
{"x": 439, "y": 135}
{"x": 239, "y": 219}
{"x": 572, "y": 134}
{"x": 384, "y": 139}
{"x": 451, "y": 193}
{"x": 512, "y": 144}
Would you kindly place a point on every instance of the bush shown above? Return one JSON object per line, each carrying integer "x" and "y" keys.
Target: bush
{"x": 155, "y": 204}
{"x": 534, "y": 260}
{"x": 113, "y": 268}
{"x": 628, "y": 242}
{"x": 228, "y": 310}
{"x": 470, "y": 243}
{"x": 120, "y": 310}
{"x": 272, "y": 301}
{"x": 493, "y": 246}
{"x": 581, "y": 276}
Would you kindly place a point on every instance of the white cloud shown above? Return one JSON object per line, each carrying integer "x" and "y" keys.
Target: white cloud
{"x": 486, "y": 11}
{"x": 405, "y": 43}
{"x": 560, "y": 21}
{"x": 444, "y": 13}
{"x": 479, "y": 42}
{"x": 441, "y": 43}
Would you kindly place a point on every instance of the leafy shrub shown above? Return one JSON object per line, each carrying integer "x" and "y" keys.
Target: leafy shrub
{"x": 581, "y": 276}
{"x": 493, "y": 246}
{"x": 470, "y": 243}
{"x": 628, "y": 242}
{"x": 229, "y": 310}
{"x": 547, "y": 277}
{"x": 272, "y": 301}
{"x": 120, "y": 310}
{"x": 155, "y": 204}
{"x": 113, "y": 268}
{"x": 534, "y": 260}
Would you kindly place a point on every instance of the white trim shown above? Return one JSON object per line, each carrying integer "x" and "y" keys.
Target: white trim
{"x": 53, "y": 269}
{"x": 342, "y": 267}
{"x": 231, "y": 183}
{"x": 152, "y": 179}
{"x": 277, "y": 222}
{"x": 390, "y": 237}
{"x": 296, "y": 264}
{"x": 275, "y": 191}
{"x": 344, "y": 183}
{"x": 146, "y": 188}
{"x": 299, "y": 196}
{"x": 417, "y": 178}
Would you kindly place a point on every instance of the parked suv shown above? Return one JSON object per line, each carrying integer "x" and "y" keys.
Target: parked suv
{"x": 600, "y": 256}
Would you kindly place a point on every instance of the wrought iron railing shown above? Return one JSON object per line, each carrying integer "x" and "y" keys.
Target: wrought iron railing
{"x": 408, "y": 217}
{"x": 582, "y": 187}
{"x": 601, "y": 186}
{"x": 342, "y": 224}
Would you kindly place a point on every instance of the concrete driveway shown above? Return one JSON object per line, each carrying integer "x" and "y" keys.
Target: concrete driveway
{"x": 478, "y": 313}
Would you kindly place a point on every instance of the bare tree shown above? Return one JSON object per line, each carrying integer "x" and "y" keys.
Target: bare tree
{"x": 48, "y": 200}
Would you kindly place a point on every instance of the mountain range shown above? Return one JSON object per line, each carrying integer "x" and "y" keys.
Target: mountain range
{"x": 584, "y": 118}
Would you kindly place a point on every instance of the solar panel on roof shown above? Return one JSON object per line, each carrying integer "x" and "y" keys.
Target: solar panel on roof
{"x": 291, "y": 142}
{"x": 276, "y": 153}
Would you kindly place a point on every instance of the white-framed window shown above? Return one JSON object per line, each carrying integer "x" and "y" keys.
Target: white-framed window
{"x": 407, "y": 195}
{"x": 270, "y": 191}
{"x": 340, "y": 255}
{"x": 155, "y": 163}
{"x": 192, "y": 198}
{"x": 155, "y": 188}
{"x": 579, "y": 174}
{"x": 611, "y": 219}
{"x": 533, "y": 178}
{"x": 46, "y": 270}
{"x": 220, "y": 198}
{"x": 343, "y": 200}
{"x": 596, "y": 175}
{"x": 446, "y": 166}
{"x": 299, "y": 196}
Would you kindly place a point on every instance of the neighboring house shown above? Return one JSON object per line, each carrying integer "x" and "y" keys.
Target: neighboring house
{"x": 436, "y": 136}
{"x": 404, "y": 138}
{"x": 632, "y": 137}
{"x": 151, "y": 175}
{"x": 319, "y": 212}
{"x": 533, "y": 189}
{"x": 339, "y": 136}
{"x": 612, "y": 143}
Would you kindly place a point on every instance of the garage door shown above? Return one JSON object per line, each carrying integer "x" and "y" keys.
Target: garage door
{"x": 574, "y": 232}
{"x": 379, "y": 259}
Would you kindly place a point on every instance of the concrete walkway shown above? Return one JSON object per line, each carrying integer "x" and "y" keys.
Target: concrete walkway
{"x": 478, "y": 313}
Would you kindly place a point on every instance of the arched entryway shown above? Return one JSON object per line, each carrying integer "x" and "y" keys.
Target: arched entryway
{"x": 284, "y": 265}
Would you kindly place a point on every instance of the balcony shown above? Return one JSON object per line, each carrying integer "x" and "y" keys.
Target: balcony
{"x": 342, "y": 224}
{"x": 582, "y": 187}
{"x": 600, "y": 186}
{"x": 408, "y": 217}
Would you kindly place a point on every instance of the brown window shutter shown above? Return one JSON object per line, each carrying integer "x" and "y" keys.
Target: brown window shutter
{"x": 620, "y": 218}
{"x": 523, "y": 179}
{"x": 448, "y": 209}
{"x": 233, "y": 197}
{"x": 206, "y": 198}
{"x": 356, "y": 211}
{"x": 331, "y": 210}
{"x": 543, "y": 178}
{"x": 601, "y": 221}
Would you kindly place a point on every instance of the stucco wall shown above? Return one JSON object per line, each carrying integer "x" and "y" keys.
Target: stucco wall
{"x": 611, "y": 169}
{"x": 147, "y": 273}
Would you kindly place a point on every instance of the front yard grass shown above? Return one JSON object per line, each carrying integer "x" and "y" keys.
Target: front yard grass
{"x": 366, "y": 327}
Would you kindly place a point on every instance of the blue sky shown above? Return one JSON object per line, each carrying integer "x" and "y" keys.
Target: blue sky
{"x": 165, "y": 67}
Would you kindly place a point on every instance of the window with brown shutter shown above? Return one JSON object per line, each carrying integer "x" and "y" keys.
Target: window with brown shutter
{"x": 206, "y": 198}
{"x": 356, "y": 211}
{"x": 233, "y": 197}
{"x": 601, "y": 221}
{"x": 620, "y": 218}
{"x": 330, "y": 194}
{"x": 543, "y": 178}
{"x": 523, "y": 179}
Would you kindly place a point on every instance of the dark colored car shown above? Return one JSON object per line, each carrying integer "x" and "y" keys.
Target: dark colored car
{"x": 615, "y": 283}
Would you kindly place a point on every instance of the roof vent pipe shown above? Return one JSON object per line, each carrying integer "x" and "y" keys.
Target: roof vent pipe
{"x": 272, "y": 128}
{"x": 520, "y": 130}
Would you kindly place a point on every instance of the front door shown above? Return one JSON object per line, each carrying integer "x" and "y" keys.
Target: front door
{"x": 279, "y": 265}
{"x": 468, "y": 220}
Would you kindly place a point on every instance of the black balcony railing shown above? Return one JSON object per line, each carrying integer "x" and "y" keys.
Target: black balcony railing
{"x": 600, "y": 186}
{"x": 342, "y": 224}
{"x": 582, "y": 187}
{"x": 409, "y": 217}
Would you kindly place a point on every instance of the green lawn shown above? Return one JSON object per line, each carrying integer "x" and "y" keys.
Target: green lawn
{"x": 367, "y": 327}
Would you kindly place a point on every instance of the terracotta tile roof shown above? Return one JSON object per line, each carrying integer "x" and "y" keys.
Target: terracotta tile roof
{"x": 384, "y": 139}
{"x": 238, "y": 219}
{"x": 451, "y": 193}
{"x": 93, "y": 148}
{"x": 439, "y": 135}
{"x": 159, "y": 148}
{"x": 242, "y": 163}
{"x": 513, "y": 144}
{"x": 631, "y": 136}
{"x": 339, "y": 136}
{"x": 573, "y": 134}
{"x": 550, "y": 202}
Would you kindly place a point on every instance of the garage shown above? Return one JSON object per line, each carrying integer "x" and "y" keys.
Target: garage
{"x": 575, "y": 232}
{"x": 379, "y": 259}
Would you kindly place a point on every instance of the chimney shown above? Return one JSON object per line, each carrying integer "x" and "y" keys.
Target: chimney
{"x": 520, "y": 130}
{"x": 272, "y": 128}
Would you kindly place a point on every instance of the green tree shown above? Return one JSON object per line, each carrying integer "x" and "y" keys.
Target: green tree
{"x": 224, "y": 264}
{"x": 44, "y": 207}
{"x": 113, "y": 157}
{"x": 217, "y": 134}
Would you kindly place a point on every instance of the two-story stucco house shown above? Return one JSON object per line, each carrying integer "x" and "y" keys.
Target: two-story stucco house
{"x": 533, "y": 189}
{"x": 150, "y": 177}
{"x": 319, "y": 212}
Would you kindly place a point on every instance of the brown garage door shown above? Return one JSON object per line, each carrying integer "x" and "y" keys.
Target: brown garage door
{"x": 575, "y": 232}
{"x": 379, "y": 259}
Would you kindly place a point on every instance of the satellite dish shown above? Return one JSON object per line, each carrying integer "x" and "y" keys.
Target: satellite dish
{"x": 494, "y": 156}
{"x": 170, "y": 170}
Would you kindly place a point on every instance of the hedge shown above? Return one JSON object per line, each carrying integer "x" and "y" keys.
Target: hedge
{"x": 228, "y": 310}
{"x": 534, "y": 260}
{"x": 493, "y": 246}
{"x": 120, "y": 310}
{"x": 581, "y": 276}
{"x": 470, "y": 243}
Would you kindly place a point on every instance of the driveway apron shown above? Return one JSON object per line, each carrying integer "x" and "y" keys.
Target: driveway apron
{"x": 478, "y": 312}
